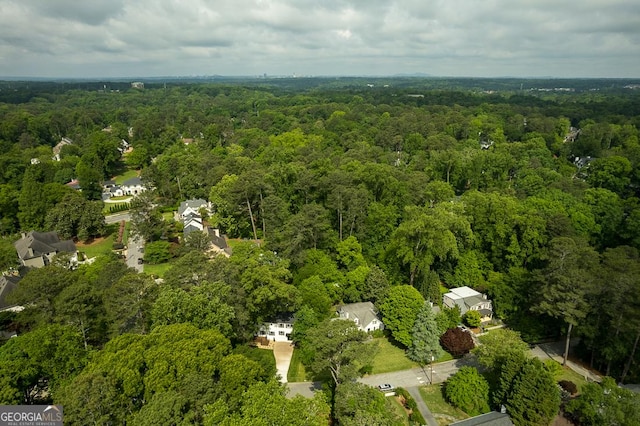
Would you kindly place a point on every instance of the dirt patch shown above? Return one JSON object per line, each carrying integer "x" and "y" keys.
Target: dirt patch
{"x": 91, "y": 242}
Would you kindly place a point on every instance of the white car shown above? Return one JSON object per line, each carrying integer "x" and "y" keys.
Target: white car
{"x": 386, "y": 387}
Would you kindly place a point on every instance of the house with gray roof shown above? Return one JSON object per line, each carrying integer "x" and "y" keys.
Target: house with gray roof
{"x": 37, "y": 249}
{"x": 467, "y": 299}
{"x": 133, "y": 186}
{"x": 191, "y": 207}
{"x": 364, "y": 314}
{"x": 8, "y": 283}
{"x": 192, "y": 222}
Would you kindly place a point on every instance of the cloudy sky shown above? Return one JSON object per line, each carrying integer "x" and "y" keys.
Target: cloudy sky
{"x": 482, "y": 38}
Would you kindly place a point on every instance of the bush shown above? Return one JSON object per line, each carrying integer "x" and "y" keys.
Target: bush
{"x": 472, "y": 319}
{"x": 118, "y": 246}
{"x": 403, "y": 393}
{"x": 416, "y": 418}
{"x": 457, "y": 341}
{"x": 568, "y": 386}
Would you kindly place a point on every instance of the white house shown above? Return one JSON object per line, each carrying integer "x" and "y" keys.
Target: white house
{"x": 467, "y": 299}
{"x": 192, "y": 207}
{"x": 133, "y": 186}
{"x": 364, "y": 314}
{"x": 277, "y": 331}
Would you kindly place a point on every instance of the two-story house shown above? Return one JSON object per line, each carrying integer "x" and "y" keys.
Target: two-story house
{"x": 37, "y": 249}
{"x": 278, "y": 330}
{"x": 364, "y": 314}
{"x": 467, "y": 299}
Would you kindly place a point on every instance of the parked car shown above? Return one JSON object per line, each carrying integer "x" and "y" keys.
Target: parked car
{"x": 386, "y": 387}
{"x": 140, "y": 261}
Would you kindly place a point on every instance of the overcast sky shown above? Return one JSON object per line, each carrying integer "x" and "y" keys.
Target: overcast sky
{"x": 481, "y": 38}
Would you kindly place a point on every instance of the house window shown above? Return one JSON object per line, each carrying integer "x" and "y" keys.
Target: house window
{"x": 280, "y": 325}
{"x": 374, "y": 322}
{"x": 271, "y": 333}
{"x": 280, "y": 333}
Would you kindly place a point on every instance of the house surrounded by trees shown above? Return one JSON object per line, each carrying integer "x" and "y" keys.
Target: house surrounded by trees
{"x": 37, "y": 249}
{"x": 467, "y": 299}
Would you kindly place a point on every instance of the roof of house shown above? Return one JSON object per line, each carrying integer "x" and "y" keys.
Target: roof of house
{"x": 493, "y": 418}
{"x": 7, "y": 285}
{"x": 134, "y": 181}
{"x": 365, "y": 312}
{"x": 463, "y": 292}
{"x": 193, "y": 204}
{"x": 35, "y": 244}
{"x": 192, "y": 223}
{"x": 217, "y": 239}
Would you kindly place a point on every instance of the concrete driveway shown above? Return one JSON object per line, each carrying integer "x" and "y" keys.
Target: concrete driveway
{"x": 282, "y": 352}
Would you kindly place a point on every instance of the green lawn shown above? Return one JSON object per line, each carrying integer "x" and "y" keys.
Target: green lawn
{"x": 390, "y": 358}
{"x": 125, "y": 176}
{"x": 157, "y": 270}
{"x": 297, "y": 372}
{"x": 100, "y": 246}
{"x": 572, "y": 376}
{"x": 432, "y": 396}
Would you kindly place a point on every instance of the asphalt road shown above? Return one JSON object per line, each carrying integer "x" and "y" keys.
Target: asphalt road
{"x": 115, "y": 218}
{"x": 135, "y": 247}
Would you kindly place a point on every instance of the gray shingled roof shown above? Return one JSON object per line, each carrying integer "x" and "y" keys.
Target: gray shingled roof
{"x": 7, "y": 285}
{"x": 194, "y": 204}
{"x": 35, "y": 244}
{"x": 365, "y": 312}
{"x": 132, "y": 182}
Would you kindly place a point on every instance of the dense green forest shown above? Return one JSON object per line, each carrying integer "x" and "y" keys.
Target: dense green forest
{"x": 528, "y": 191}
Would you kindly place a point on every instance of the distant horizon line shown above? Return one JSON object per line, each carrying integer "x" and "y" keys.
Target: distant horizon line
{"x": 294, "y": 76}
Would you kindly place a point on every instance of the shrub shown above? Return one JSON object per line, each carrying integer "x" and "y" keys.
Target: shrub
{"x": 472, "y": 319}
{"x": 118, "y": 246}
{"x": 416, "y": 418}
{"x": 457, "y": 341}
{"x": 568, "y": 386}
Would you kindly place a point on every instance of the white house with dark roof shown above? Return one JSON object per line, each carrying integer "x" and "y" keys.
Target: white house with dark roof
{"x": 133, "y": 186}
{"x": 364, "y": 314}
{"x": 192, "y": 222}
{"x": 278, "y": 330}
{"x": 192, "y": 206}
{"x": 37, "y": 249}
{"x": 467, "y": 299}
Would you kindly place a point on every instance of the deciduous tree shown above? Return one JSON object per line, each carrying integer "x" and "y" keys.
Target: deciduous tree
{"x": 399, "y": 311}
{"x": 469, "y": 391}
{"x": 340, "y": 349}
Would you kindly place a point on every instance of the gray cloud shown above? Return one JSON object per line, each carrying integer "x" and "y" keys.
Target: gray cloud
{"x": 314, "y": 37}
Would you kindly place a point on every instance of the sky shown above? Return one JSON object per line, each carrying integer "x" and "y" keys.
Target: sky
{"x": 471, "y": 38}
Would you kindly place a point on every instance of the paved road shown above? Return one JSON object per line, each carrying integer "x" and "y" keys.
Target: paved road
{"x": 135, "y": 247}
{"x": 115, "y": 218}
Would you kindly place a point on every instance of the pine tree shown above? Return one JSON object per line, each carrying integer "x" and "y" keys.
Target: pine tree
{"x": 426, "y": 339}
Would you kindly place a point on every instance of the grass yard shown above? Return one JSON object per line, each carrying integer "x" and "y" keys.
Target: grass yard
{"x": 157, "y": 270}
{"x": 125, "y": 176}
{"x": 297, "y": 372}
{"x": 99, "y": 246}
{"x": 441, "y": 409}
{"x": 569, "y": 374}
{"x": 390, "y": 358}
